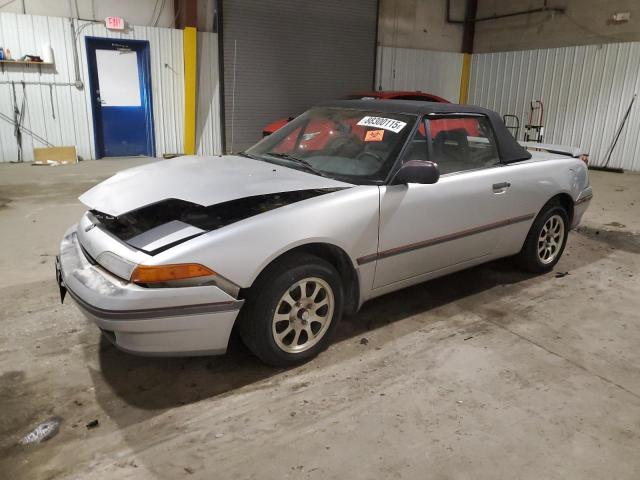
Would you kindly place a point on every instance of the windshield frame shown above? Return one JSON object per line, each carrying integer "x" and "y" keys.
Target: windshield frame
{"x": 397, "y": 152}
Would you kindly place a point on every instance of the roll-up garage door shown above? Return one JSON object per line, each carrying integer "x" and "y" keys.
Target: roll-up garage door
{"x": 283, "y": 56}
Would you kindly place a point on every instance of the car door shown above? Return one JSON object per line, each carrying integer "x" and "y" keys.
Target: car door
{"x": 459, "y": 219}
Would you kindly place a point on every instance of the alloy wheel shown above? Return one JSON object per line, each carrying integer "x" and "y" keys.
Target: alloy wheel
{"x": 303, "y": 315}
{"x": 550, "y": 239}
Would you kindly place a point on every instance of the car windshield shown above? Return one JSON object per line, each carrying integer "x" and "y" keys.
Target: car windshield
{"x": 357, "y": 146}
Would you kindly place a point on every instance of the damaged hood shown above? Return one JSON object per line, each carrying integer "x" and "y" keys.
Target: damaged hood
{"x": 201, "y": 180}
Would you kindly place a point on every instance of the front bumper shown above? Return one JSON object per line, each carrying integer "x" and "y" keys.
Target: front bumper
{"x": 149, "y": 321}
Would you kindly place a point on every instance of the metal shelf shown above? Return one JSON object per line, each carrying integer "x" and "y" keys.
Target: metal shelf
{"x": 23, "y": 62}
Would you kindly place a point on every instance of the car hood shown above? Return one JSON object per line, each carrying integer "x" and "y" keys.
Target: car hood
{"x": 201, "y": 180}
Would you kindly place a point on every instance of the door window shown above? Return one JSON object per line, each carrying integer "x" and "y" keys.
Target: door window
{"x": 462, "y": 143}
{"x": 118, "y": 78}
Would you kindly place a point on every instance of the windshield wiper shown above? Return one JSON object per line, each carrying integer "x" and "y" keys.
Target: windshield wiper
{"x": 245, "y": 154}
{"x": 300, "y": 161}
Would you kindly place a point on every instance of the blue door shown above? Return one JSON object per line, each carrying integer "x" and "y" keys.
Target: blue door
{"x": 120, "y": 83}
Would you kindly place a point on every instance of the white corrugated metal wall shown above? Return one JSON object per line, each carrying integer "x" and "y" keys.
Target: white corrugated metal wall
{"x": 72, "y": 124}
{"x": 585, "y": 89}
{"x": 208, "y": 122}
{"x": 415, "y": 69}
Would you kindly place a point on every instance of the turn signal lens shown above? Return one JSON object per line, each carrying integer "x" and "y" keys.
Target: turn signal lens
{"x": 168, "y": 273}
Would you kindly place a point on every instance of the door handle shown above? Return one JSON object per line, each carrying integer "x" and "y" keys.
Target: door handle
{"x": 501, "y": 187}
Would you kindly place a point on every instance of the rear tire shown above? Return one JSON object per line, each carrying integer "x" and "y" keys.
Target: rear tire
{"x": 546, "y": 239}
{"x": 292, "y": 310}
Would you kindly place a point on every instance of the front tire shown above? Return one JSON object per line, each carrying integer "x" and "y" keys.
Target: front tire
{"x": 292, "y": 310}
{"x": 546, "y": 239}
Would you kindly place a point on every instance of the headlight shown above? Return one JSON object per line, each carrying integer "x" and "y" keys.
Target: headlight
{"x": 116, "y": 264}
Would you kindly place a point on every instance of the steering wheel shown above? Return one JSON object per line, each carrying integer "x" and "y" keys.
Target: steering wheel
{"x": 344, "y": 142}
{"x": 376, "y": 156}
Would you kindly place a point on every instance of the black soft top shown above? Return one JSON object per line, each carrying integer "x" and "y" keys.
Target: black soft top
{"x": 510, "y": 150}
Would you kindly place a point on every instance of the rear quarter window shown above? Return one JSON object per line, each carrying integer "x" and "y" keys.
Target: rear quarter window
{"x": 462, "y": 143}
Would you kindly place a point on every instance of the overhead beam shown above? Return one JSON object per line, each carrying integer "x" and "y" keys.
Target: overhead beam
{"x": 542, "y": 9}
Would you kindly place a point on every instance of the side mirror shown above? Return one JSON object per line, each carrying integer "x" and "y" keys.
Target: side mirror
{"x": 417, "y": 171}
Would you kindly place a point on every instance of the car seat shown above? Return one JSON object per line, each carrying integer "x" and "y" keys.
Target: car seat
{"x": 451, "y": 150}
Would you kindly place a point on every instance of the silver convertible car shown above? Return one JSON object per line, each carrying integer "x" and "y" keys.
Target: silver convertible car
{"x": 349, "y": 201}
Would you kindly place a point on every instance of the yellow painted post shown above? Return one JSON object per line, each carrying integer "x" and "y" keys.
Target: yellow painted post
{"x": 190, "y": 64}
{"x": 464, "y": 78}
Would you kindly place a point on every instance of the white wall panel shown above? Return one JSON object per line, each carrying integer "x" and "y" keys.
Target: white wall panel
{"x": 415, "y": 69}
{"x": 72, "y": 124}
{"x": 208, "y": 126}
{"x": 585, "y": 90}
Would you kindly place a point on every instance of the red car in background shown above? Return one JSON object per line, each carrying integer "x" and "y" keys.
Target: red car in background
{"x": 419, "y": 96}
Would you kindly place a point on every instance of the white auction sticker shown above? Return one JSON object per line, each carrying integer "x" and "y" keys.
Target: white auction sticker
{"x": 380, "y": 122}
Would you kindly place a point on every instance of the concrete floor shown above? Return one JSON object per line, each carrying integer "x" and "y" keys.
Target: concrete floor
{"x": 490, "y": 373}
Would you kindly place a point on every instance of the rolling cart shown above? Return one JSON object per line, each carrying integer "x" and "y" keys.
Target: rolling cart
{"x": 534, "y": 132}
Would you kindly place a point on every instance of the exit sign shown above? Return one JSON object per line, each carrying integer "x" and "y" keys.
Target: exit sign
{"x": 114, "y": 23}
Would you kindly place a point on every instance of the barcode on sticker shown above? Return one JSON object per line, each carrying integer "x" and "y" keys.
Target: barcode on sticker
{"x": 380, "y": 122}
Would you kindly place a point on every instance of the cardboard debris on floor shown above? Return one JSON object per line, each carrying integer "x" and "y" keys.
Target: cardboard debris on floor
{"x": 54, "y": 156}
